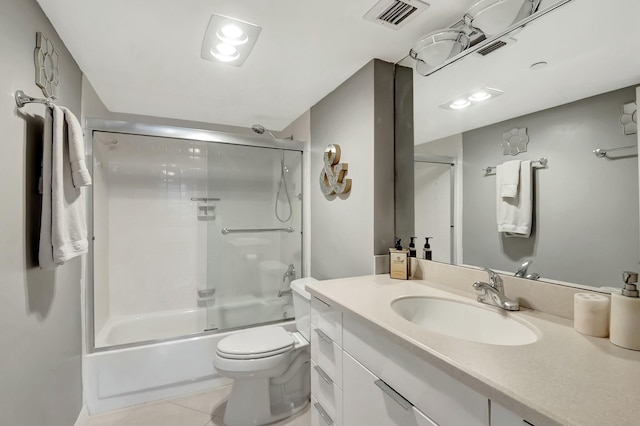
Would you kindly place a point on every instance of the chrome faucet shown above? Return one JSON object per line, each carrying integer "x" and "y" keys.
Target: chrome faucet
{"x": 290, "y": 274}
{"x": 522, "y": 271}
{"x": 493, "y": 293}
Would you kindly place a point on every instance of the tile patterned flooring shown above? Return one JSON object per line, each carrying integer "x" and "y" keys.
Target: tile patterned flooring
{"x": 202, "y": 409}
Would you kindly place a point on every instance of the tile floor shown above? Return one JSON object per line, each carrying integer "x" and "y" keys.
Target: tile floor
{"x": 201, "y": 409}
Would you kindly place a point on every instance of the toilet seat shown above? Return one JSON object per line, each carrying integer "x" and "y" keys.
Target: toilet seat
{"x": 256, "y": 344}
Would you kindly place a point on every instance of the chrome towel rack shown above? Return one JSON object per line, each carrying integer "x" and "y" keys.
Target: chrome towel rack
{"x": 541, "y": 162}
{"x": 22, "y": 99}
{"x": 602, "y": 152}
{"x": 226, "y": 231}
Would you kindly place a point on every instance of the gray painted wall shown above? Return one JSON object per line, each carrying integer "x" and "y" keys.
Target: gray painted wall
{"x": 346, "y": 231}
{"x": 586, "y": 208}
{"x": 403, "y": 151}
{"x": 40, "y": 328}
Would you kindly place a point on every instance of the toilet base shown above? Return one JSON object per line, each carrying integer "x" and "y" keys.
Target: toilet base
{"x": 249, "y": 405}
{"x": 260, "y": 401}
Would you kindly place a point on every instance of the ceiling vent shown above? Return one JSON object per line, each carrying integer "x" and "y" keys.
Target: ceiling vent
{"x": 492, "y": 47}
{"x": 395, "y": 13}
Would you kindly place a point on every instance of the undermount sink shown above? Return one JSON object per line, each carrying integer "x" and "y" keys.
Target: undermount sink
{"x": 464, "y": 321}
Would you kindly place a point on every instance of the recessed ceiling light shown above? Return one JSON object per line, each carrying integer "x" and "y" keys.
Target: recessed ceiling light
{"x": 232, "y": 34}
{"x": 229, "y": 40}
{"x": 480, "y": 96}
{"x": 459, "y": 104}
{"x": 473, "y": 98}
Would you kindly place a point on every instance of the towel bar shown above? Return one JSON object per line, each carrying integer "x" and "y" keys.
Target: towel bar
{"x": 542, "y": 162}
{"x": 22, "y": 99}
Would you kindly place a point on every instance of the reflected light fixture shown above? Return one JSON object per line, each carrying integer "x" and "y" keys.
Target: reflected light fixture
{"x": 471, "y": 99}
{"x": 229, "y": 40}
{"x": 459, "y": 104}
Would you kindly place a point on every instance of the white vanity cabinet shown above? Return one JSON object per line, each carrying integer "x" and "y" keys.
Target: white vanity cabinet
{"x": 361, "y": 376}
{"x": 369, "y": 401}
{"x": 441, "y": 398}
{"x": 326, "y": 364}
{"x": 500, "y": 416}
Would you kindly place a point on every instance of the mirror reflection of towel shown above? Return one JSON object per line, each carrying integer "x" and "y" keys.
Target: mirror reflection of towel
{"x": 514, "y": 214}
{"x": 508, "y": 176}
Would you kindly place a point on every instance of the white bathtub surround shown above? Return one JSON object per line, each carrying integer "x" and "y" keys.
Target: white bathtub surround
{"x": 192, "y": 410}
{"x": 124, "y": 329}
{"x": 154, "y": 252}
{"x": 564, "y": 378}
{"x": 124, "y": 377}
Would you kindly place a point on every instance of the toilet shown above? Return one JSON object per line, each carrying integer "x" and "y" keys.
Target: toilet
{"x": 269, "y": 367}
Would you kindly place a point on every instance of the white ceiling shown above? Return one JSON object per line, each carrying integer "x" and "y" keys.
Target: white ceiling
{"x": 591, "y": 48}
{"x": 143, "y": 57}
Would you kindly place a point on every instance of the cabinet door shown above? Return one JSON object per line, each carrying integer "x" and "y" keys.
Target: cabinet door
{"x": 368, "y": 401}
{"x": 500, "y": 416}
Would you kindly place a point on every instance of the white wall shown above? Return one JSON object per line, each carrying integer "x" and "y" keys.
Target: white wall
{"x": 40, "y": 329}
{"x": 451, "y": 146}
{"x": 346, "y": 231}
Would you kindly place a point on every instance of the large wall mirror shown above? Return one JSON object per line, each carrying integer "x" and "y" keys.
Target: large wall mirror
{"x": 566, "y": 84}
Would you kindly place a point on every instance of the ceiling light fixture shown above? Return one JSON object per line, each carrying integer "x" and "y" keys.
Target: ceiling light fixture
{"x": 459, "y": 104}
{"x": 229, "y": 40}
{"x": 472, "y": 98}
{"x": 479, "y": 96}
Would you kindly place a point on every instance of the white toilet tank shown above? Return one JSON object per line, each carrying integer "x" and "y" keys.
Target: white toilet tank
{"x": 302, "y": 306}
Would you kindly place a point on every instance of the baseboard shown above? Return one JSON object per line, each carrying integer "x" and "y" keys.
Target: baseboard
{"x": 83, "y": 417}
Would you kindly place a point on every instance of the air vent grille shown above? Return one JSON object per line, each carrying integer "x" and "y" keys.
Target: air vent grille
{"x": 395, "y": 13}
{"x": 491, "y": 48}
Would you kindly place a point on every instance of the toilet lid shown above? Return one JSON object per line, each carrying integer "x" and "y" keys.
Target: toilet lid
{"x": 258, "y": 343}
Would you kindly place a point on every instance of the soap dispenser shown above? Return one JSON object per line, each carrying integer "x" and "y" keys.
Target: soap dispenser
{"x": 426, "y": 251}
{"x": 625, "y": 314}
{"x": 412, "y": 247}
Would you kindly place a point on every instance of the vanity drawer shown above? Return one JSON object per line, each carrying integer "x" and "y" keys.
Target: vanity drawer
{"x": 326, "y": 354}
{"x": 370, "y": 401}
{"x": 444, "y": 399}
{"x": 319, "y": 416}
{"x": 327, "y": 319}
{"x": 327, "y": 393}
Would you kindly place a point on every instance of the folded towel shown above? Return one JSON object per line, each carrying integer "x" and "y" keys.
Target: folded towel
{"x": 63, "y": 231}
{"x": 508, "y": 177}
{"x": 514, "y": 215}
{"x": 79, "y": 172}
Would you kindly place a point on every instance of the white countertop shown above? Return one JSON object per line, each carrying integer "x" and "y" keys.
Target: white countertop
{"x": 563, "y": 378}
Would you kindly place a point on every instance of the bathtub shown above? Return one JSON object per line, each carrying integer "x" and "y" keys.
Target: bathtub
{"x": 120, "y": 377}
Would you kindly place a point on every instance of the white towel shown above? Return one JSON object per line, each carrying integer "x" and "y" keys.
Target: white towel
{"x": 514, "y": 215}
{"x": 508, "y": 177}
{"x": 63, "y": 230}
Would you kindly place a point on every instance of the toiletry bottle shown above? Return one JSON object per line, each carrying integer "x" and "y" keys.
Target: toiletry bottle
{"x": 399, "y": 262}
{"x": 625, "y": 314}
{"x": 426, "y": 251}
{"x": 412, "y": 247}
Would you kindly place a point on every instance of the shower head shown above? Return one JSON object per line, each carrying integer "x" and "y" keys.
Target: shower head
{"x": 259, "y": 129}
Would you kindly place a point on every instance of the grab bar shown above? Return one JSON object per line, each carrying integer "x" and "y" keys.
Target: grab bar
{"x": 226, "y": 231}
{"x": 602, "y": 152}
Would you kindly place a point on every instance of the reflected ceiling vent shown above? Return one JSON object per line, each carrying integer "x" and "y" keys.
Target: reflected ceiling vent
{"x": 498, "y": 44}
{"x": 395, "y": 13}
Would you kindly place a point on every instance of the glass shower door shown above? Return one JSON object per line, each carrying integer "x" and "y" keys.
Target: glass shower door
{"x": 253, "y": 211}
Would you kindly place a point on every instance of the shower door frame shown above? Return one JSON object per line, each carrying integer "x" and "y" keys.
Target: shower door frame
{"x": 170, "y": 132}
